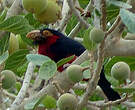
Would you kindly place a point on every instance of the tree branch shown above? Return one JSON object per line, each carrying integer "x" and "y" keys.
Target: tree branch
{"x": 24, "y": 87}
{"x": 77, "y": 14}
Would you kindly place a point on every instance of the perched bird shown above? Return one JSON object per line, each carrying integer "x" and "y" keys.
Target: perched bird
{"x": 57, "y": 46}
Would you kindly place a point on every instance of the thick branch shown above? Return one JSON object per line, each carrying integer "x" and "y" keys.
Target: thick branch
{"x": 24, "y": 87}
{"x": 121, "y": 48}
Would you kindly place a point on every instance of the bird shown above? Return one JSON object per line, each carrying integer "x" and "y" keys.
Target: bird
{"x": 57, "y": 46}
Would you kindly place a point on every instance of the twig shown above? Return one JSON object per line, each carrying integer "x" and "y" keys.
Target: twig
{"x": 77, "y": 28}
{"x": 110, "y": 103}
{"x": 1, "y": 89}
{"x": 94, "y": 80}
{"x": 58, "y": 87}
{"x": 66, "y": 14}
{"x": 65, "y": 21}
{"x": 74, "y": 31}
{"x": 103, "y": 18}
{"x": 12, "y": 96}
{"x": 25, "y": 86}
{"x": 129, "y": 104}
{"x": 80, "y": 86}
{"x": 77, "y": 14}
{"x": 91, "y": 55}
{"x": 41, "y": 93}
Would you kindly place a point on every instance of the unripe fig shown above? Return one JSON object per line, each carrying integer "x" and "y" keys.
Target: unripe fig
{"x": 97, "y": 35}
{"x": 49, "y": 102}
{"x": 35, "y": 6}
{"x": 13, "y": 43}
{"x": 67, "y": 102}
{"x": 22, "y": 44}
{"x": 120, "y": 71}
{"x": 90, "y": 45}
{"x": 8, "y": 79}
{"x": 51, "y": 14}
{"x": 75, "y": 73}
{"x": 130, "y": 36}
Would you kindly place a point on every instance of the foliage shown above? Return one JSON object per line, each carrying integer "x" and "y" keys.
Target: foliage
{"x": 45, "y": 67}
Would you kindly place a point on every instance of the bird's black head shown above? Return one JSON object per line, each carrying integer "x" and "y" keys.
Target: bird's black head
{"x": 40, "y": 36}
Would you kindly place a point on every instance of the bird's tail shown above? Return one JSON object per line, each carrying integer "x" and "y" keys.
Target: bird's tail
{"x": 105, "y": 85}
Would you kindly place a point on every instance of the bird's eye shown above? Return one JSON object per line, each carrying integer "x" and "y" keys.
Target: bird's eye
{"x": 47, "y": 33}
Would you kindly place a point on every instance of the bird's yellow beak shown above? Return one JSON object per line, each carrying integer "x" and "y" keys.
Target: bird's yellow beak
{"x": 34, "y": 35}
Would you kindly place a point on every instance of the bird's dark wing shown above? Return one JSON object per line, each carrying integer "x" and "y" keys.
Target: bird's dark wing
{"x": 65, "y": 47}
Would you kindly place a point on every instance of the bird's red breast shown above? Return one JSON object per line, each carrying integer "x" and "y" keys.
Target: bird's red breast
{"x": 44, "y": 48}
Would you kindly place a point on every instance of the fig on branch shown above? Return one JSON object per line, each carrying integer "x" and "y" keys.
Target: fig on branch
{"x": 35, "y": 6}
{"x": 8, "y": 79}
{"x": 120, "y": 71}
{"x": 67, "y": 101}
{"x": 13, "y": 43}
{"x": 51, "y": 14}
{"x": 75, "y": 73}
{"x": 97, "y": 35}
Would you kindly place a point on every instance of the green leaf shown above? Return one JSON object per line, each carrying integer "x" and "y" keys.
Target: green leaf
{"x": 31, "y": 105}
{"x": 129, "y": 60}
{"x": 112, "y": 13}
{"x": 128, "y": 18}
{"x": 4, "y": 43}
{"x": 32, "y": 21}
{"x": 16, "y": 24}
{"x": 84, "y": 3}
{"x": 64, "y": 61}
{"x": 47, "y": 70}
{"x": 124, "y": 90}
{"x": 87, "y": 73}
{"x": 16, "y": 59}
{"x": 97, "y": 12}
{"x": 4, "y": 57}
{"x": 37, "y": 59}
{"x": 113, "y": 81}
{"x": 49, "y": 102}
{"x": 18, "y": 86}
{"x": 27, "y": 40}
{"x": 120, "y": 4}
{"x": 3, "y": 14}
{"x": 22, "y": 69}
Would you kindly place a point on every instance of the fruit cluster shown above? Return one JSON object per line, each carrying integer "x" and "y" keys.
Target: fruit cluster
{"x": 45, "y": 11}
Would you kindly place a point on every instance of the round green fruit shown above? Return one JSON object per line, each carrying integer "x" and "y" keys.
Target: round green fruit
{"x": 67, "y": 102}
{"x": 75, "y": 73}
{"x": 51, "y": 14}
{"x": 35, "y": 6}
{"x": 97, "y": 35}
{"x": 130, "y": 36}
{"x": 13, "y": 43}
{"x": 22, "y": 44}
{"x": 120, "y": 71}
{"x": 49, "y": 102}
{"x": 8, "y": 79}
